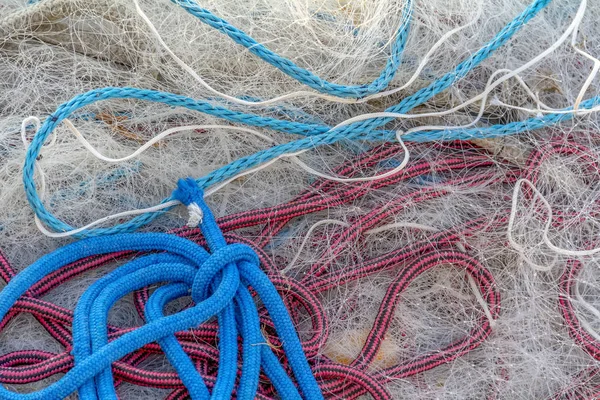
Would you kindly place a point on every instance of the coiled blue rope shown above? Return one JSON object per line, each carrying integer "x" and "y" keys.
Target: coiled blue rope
{"x": 316, "y": 134}
{"x": 218, "y": 285}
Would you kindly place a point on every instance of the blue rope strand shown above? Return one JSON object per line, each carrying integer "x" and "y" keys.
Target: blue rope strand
{"x": 184, "y": 366}
{"x": 277, "y": 375}
{"x": 113, "y": 292}
{"x": 228, "y": 354}
{"x": 217, "y": 282}
{"x": 300, "y": 74}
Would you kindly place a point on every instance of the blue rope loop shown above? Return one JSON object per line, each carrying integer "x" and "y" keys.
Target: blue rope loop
{"x": 218, "y": 282}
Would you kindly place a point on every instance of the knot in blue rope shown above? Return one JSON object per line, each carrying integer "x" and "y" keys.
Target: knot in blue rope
{"x": 219, "y": 284}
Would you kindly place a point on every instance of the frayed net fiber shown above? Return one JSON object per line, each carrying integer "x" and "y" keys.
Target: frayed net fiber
{"x": 435, "y": 268}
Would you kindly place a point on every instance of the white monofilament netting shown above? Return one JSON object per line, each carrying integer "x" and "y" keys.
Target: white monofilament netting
{"x": 55, "y": 49}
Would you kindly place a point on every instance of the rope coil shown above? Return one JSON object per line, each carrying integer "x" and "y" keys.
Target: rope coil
{"x": 217, "y": 283}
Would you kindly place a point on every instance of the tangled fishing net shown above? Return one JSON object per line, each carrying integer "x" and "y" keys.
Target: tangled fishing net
{"x": 418, "y": 179}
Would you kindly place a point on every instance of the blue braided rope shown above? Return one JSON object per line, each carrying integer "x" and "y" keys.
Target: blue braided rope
{"x": 218, "y": 284}
{"x": 300, "y": 74}
{"x": 317, "y": 135}
{"x": 175, "y": 354}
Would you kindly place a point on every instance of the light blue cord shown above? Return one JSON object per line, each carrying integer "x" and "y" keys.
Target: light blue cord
{"x": 317, "y": 135}
{"x": 217, "y": 283}
{"x": 300, "y": 74}
{"x": 249, "y": 324}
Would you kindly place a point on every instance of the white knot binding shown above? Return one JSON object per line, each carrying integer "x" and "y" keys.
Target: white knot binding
{"x": 195, "y": 215}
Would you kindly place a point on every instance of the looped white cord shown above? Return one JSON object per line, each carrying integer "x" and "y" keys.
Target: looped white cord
{"x": 582, "y": 91}
{"x": 575, "y": 24}
{"x": 592, "y": 74}
{"x": 37, "y": 123}
{"x": 171, "y": 132}
{"x": 289, "y": 267}
{"x": 511, "y": 221}
{"x": 482, "y": 105}
{"x": 391, "y": 172}
{"x": 547, "y": 224}
{"x": 157, "y": 138}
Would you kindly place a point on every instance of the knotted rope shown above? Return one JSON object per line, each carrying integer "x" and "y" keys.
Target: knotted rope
{"x": 217, "y": 282}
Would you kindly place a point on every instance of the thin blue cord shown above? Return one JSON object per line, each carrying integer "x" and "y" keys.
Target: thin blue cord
{"x": 217, "y": 282}
{"x": 316, "y": 134}
{"x": 300, "y": 74}
{"x": 228, "y": 353}
{"x": 249, "y": 326}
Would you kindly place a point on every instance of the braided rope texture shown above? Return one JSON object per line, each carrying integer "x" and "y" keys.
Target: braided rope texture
{"x": 300, "y": 74}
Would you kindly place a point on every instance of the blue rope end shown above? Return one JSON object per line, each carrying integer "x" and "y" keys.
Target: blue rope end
{"x": 188, "y": 192}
